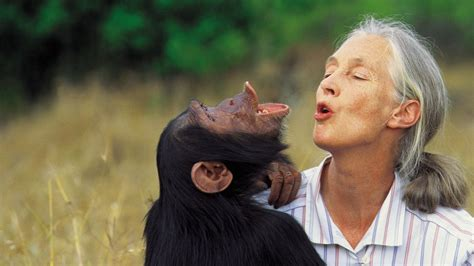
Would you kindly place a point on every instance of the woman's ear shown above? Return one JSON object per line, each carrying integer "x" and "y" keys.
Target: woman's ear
{"x": 405, "y": 115}
{"x": 211, "y": 177}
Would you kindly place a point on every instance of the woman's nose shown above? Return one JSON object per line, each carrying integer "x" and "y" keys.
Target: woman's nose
{"x": 329, "y": 86}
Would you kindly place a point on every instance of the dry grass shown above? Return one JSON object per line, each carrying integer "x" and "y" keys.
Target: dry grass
{"x": 77, "y": 175}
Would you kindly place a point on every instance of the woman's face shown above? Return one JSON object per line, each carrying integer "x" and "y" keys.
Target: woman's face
{"x": 356, "y": 96}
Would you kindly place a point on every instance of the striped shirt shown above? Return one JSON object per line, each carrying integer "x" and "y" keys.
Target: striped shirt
{"x": 397, "y": 236}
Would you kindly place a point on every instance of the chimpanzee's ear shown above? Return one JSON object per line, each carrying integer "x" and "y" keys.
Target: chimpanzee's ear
{"x": 211, "y": 177}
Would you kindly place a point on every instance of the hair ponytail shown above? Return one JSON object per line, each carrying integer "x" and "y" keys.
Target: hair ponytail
{"x": 438, "y": 180}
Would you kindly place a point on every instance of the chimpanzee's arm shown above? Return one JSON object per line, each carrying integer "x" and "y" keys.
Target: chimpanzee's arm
{"x": 284, "y": 180}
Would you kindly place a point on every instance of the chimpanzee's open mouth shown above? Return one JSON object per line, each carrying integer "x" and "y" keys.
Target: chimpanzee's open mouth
{"x": 276, "y": 109}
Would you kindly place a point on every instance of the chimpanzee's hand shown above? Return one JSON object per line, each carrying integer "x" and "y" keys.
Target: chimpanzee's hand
{"x": 285, "y": 183}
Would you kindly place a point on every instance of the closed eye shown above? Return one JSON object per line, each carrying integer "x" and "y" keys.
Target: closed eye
{"x": 326, "y": 75}
{"x": 360, "y": 76}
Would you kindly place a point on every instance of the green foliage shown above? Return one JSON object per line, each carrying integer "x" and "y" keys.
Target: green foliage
{"x": 123, "y": 28}
{"x": 202, "y": 48}
{"x": 46, "y": 37}
{"x": 51, "y": 16}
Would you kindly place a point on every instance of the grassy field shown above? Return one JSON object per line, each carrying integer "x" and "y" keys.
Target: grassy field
{"x": 78, "y": 174}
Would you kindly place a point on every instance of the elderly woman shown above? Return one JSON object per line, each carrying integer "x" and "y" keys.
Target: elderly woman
{"x": 379, "y": 198}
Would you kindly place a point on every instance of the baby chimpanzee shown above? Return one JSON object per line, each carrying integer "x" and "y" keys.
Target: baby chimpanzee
{"x": 209, "y": 162}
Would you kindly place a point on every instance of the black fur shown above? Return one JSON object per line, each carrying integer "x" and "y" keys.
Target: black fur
{"x": 188, "y": 227}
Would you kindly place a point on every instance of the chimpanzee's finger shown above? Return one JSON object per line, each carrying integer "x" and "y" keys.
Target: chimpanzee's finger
{"x": 277, "y": 182}
{"x": 288, "y": 183}
{"x": 296, "y": 185}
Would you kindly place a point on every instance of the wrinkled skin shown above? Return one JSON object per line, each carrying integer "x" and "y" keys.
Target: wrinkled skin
{"x": 243, "y": 113}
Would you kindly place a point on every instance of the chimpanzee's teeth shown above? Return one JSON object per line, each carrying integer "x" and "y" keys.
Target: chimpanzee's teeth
{"x": 264, "y": 111}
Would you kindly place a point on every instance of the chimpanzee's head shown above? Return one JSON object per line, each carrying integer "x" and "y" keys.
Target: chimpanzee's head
{"x": 214, "y": 145}
{"x": 240, "y": 114}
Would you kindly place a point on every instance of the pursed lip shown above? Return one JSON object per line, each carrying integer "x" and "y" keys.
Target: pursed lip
{"x": 323, "y": 111}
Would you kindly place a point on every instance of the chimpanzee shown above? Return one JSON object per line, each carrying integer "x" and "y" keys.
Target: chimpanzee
{"x": 209, "y": 162}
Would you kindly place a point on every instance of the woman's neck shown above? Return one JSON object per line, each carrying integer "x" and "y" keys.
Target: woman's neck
{"x": 354, "y": 186}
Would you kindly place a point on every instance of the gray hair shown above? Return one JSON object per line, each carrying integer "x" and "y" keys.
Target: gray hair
{"x": 433, "y": 179}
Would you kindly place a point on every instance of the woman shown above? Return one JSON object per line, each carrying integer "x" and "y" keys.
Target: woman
{"x": 379, "y": 198}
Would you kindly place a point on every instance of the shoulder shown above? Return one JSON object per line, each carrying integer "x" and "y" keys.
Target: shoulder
{"x": 307, "y": 176}
{"x": 300, "y": 201}
{"x": 457, "y": 223}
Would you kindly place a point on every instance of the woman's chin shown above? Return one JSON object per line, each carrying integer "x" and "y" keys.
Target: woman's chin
{"x": 321, "y": 141}
{"x": 323, "y": 146}
{"x": 327, "y": 143}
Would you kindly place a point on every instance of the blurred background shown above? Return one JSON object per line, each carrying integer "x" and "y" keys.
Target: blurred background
{"x": 87, "y": 86}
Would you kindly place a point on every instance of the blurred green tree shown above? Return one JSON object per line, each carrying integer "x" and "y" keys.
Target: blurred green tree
{"x": 40, "y": 39}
